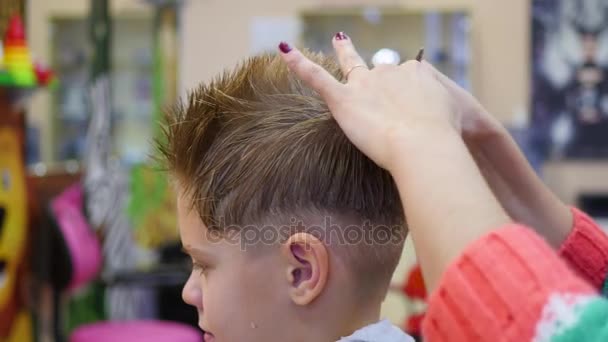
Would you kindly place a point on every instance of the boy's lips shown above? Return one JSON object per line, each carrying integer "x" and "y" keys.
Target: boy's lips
{"x": 208, "y": 337}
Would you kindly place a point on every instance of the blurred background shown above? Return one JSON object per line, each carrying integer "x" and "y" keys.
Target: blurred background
{"x": 87, "y": 226}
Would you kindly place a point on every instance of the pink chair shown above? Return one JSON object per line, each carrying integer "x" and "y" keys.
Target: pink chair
{"x": 79, "y": 239}
{"x": 85, "y": 261}
{"x": 136, "y": 331}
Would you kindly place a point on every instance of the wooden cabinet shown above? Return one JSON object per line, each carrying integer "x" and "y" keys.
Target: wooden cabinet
{"x": 572, "y": 179}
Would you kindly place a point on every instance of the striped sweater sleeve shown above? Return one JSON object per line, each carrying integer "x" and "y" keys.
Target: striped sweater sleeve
{"x": 511, "y": 286}
{"x": 586, "y": 250}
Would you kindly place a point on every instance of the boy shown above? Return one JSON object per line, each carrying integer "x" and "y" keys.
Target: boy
{"x": 293, "y": 233}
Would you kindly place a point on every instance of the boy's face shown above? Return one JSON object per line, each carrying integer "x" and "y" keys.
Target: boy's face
{"x": 238, "y": 297}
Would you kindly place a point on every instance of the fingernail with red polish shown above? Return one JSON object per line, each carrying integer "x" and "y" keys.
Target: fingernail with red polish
{"x": 341, "y": 36}
{"x": 284, "y": 47}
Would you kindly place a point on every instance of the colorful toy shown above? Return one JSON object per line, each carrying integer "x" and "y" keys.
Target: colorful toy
{"x": 415, "y": 289}
{"x": 17, "y": 56}
{"x": 44, "y": 75}
{"x": 16, "y": 207}
{"x": 414, "y": 286}
{"x": 15, "y": 323}
{"x": 16, "y": 67}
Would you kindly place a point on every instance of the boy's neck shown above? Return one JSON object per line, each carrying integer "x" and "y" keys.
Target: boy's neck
{"x": 366, "y": 318}
{"x": 339, "y": 313}
{"x": 345, "y": 325}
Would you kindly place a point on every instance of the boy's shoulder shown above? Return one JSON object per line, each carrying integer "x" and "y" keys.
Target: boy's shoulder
{"x": 382, "y": 331}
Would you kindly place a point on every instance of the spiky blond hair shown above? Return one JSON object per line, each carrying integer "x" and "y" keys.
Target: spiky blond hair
{"x": 256, "y": 145}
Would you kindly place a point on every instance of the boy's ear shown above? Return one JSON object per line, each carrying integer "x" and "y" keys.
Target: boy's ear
{"x": 308, "y": 267}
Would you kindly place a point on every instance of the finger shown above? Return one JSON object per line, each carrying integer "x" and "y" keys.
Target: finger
{"x": 412, "y": 68}
{"x": 351, "y": 63}
{"x": 311, "y": 73}
{"x": 416, "y": 70}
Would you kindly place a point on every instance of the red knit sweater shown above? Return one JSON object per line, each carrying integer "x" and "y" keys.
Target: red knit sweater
{"x": 511, "y": 286}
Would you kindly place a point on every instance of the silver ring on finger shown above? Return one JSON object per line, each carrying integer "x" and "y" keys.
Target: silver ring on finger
{"x": 353, "y": 68}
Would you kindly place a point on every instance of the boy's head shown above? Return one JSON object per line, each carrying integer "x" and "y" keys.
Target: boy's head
{"x": 292, "y": 230}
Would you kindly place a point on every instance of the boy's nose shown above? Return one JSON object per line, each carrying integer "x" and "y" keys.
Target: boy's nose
{"x": 192, "y": 293}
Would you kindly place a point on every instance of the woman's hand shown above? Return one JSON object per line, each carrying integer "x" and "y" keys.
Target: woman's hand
{"x": 476, "y": 122}
{"x": 382, "y": 108}
{"x": 405, "y": 120}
